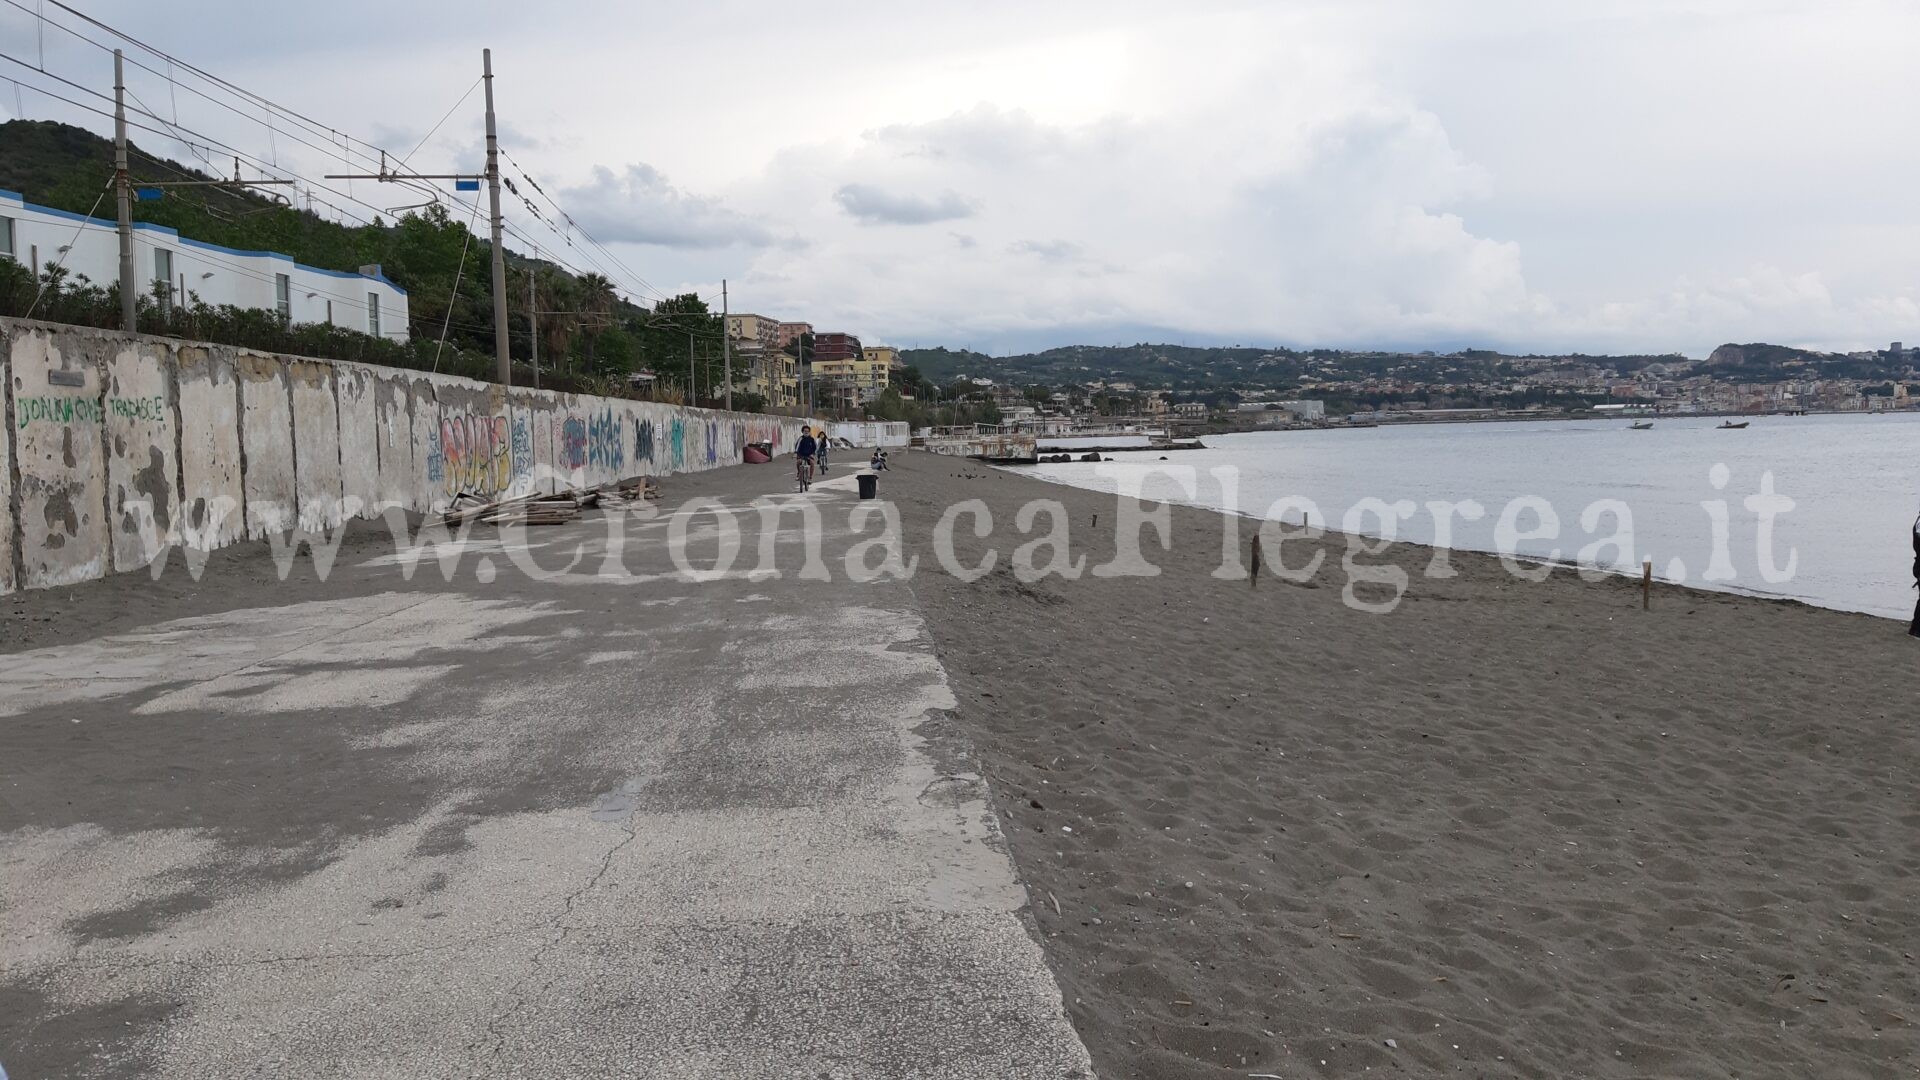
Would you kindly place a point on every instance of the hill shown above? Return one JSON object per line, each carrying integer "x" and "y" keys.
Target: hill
{"x": 592, "y": 331}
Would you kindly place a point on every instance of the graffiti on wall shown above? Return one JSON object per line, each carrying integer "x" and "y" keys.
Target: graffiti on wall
{"x": 606, "y": 440}
{"x": 573, "y": 444}
{"x": 643, "y": 435}
{"x": 494, "y": 455}
{"x": 85, "y": 410}
{"x": 471, "y": 453}
{"x": 522, "y": 447}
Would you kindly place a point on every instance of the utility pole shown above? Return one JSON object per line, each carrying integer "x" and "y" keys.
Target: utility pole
{"x": 533, "y": 319}
{"x": 726, "y": 345}
{"x": 502, "y": 359}
{"x": 123, "y": 195}
{"x": 693, "y": 373}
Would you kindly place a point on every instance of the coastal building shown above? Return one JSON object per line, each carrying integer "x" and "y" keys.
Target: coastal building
{"x": 175, "y": 267}
{"x": 857, "y": 379}
{"x": 832, "y": 345}
{"x": 749, "y": 330}
{"x": 771, "y": 373}
{"x": 790, "y": 331}
{"x": 885, "y": 355}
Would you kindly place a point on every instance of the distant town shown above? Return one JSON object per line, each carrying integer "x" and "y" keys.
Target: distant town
{"x": 1235, "y": 387}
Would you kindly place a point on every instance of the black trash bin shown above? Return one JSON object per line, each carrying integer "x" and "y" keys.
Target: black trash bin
{"x": 869, "y": 485}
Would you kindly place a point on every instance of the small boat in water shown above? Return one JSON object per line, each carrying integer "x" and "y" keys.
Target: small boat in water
{"x": 1728, "y": 425}
{"x": 1643, "y": 425}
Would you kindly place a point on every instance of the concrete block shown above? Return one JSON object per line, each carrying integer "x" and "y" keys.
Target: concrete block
{"x": 316, "y": 445}
{"x": 430, "y": 476}
{"x": 60, "y": 455}
{"x": 356, "y": 389}
{"x": 393, "y": 431}
{"x": 266, "y": 441}
{"x": 143, "y": 459}
{"x": 210, "y": 485}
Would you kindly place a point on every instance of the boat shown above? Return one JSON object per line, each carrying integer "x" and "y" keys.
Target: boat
{"x": 1728, "y": 425}
{"x": 1642, "y": 425}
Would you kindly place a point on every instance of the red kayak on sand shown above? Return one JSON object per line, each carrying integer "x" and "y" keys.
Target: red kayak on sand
{"x": 755, "y": 456}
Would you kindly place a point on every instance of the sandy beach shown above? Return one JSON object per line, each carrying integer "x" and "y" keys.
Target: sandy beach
{"x": 1510, "y": 829}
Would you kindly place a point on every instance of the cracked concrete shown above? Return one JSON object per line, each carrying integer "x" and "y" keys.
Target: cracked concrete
{"x": 650, "y": 828}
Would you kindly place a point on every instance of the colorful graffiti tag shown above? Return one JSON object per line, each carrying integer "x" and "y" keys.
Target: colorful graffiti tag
{"x": 573, "y": 444}
{"x": 475, "y": 453}
{"x": 606, "y": 440}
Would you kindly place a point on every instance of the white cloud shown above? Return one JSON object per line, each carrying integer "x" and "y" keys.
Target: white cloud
{"x": 1619, "y": 174}
{"x": 875, "y": 206}
{"x": 638, "y": 206}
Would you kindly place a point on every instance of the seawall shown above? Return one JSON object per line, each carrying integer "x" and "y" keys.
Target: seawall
{"x": 118, "y": 447}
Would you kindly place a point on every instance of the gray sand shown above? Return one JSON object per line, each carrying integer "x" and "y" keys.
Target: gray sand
{"x": 1517, "y": 829}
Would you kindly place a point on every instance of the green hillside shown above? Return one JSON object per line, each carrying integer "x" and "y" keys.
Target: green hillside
{"x": 592, "y": 334}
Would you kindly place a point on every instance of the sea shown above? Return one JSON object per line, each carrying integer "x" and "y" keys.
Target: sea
{"x": 1816, "y": 508}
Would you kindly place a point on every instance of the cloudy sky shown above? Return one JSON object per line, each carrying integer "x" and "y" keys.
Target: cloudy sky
{"x": 1605, "y": 176}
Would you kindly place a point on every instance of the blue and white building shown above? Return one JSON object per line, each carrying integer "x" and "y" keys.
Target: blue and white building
{"x": 365, "y": 301}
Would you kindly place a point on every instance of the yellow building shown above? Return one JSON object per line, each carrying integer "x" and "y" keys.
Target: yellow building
{"x": 858, "y": 380}
{"x": 772, "y": 374}
{"x": 751, "y": 331}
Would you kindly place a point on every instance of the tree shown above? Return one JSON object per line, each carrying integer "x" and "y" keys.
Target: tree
{"x": 595, "y": 295}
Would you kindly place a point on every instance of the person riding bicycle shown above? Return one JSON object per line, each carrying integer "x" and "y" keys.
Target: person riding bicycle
{"x": 804, "y": 450}
{"x": 823, "y": 451}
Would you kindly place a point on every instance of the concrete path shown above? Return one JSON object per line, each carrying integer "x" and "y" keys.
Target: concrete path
{"x": 612, "y": 823}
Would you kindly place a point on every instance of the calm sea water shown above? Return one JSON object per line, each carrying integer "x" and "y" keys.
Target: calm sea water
{"x": 1854, "y": 483}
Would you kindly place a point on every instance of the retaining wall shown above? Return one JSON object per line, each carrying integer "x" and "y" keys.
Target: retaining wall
{"x": 118, "y": 447}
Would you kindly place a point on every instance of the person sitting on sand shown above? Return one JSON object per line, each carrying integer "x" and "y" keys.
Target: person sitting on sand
{"x": 879, "y": 462}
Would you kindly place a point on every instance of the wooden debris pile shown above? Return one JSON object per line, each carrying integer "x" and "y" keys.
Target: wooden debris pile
{"x": 554, "y": 509}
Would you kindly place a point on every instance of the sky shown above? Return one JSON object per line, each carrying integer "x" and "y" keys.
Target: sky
{"x": 1608, "y": 176}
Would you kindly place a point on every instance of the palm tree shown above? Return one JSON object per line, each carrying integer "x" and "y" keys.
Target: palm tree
{"x": 558, "y": 324}
{"x": 597, "y": 301}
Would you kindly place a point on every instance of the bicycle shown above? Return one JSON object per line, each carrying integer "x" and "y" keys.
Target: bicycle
{"x": 803, "y": 470}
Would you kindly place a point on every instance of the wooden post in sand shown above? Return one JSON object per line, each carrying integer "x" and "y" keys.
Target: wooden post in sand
{"x": 1646, "y": 585}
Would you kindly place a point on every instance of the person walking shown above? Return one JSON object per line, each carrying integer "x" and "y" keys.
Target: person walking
{"x": 1914, "y": 630}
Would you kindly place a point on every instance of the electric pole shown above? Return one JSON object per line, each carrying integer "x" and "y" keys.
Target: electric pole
{"x": 726, "y": 345}
{"x": 503, "y": 360}
{"x": 693, "y": 373}
{"x": 123, "y": 195}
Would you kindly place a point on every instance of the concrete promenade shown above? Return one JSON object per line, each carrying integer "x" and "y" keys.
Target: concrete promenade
{"x": 601, "y": 822}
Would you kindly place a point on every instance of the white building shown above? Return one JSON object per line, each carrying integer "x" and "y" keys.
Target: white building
{"x": 89, "y": 247}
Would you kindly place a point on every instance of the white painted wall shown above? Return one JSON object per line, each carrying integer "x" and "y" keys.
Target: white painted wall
{"x": 216, "y": 275}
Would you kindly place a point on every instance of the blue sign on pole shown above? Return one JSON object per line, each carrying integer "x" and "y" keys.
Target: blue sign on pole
{"x": 466, "y": 185}
{"x": 148, "y": 194}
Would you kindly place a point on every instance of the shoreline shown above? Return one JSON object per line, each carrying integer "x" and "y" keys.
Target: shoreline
{"x": 1659, "y": 578}
{"x": 1510, "y": 829}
